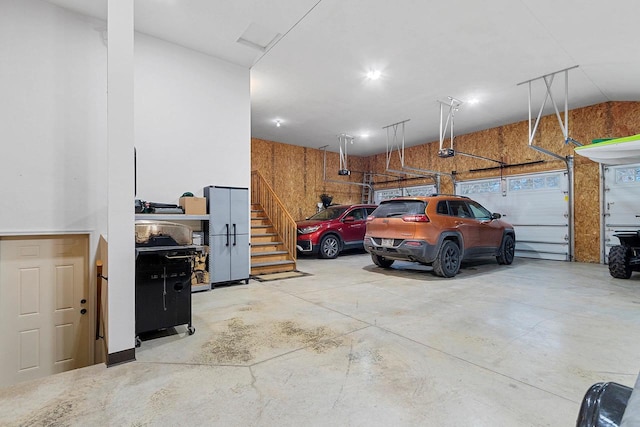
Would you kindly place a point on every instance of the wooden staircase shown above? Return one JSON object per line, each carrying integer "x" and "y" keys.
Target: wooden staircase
{"x": 268, "y": 252}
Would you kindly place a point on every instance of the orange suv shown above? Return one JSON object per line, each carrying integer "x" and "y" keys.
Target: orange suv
{"x": 439, "y": 230}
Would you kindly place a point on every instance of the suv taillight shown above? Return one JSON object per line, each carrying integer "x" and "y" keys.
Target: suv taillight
{"x": 415, "y": 218}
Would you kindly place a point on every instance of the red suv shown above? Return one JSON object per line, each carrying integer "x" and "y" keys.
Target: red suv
{"x": 440, "y": 230}
{"x": 333, "y": 229}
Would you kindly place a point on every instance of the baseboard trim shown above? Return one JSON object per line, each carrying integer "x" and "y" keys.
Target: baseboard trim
{"x": 120, "y": 357}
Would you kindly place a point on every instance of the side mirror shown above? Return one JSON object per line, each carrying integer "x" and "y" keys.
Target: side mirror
{"x": 496, "y": 216}
{"x": 349, "y": 219}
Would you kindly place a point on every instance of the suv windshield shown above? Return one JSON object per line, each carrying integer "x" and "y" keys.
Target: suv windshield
{"x": 328, "y": 213}
{"x": 399, "y": 208}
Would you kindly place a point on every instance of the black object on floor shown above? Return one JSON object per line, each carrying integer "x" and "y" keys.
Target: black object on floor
{"x": 603, "y": 405}
{"x": 163, "y": 288}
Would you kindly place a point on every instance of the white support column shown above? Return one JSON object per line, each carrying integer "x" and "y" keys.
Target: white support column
{"x": 121, "y": 232}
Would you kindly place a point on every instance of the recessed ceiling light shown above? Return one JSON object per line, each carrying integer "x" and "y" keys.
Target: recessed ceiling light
{"x": 364, "y": 135}
{"x": 473, "y": 101}
{"x": 374, "y": 74}
{"x": 278, "y": 122}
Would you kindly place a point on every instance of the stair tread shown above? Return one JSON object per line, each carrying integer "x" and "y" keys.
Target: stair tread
{"x": 262, "y": 226}
{"x": 266, "y": 244}
{"x": 265, "y": 253}
{"x": 263, "y": 234}
{"x": 268, "y": 264}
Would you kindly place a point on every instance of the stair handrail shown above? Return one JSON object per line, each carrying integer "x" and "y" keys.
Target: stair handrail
{"x": 283, "y": 223}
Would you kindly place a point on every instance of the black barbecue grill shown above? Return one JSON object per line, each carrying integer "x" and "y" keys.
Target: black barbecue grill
{"x": 164, "y": 266}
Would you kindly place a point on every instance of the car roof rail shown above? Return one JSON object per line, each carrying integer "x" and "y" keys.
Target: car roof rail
{"x": 449, "y": 195}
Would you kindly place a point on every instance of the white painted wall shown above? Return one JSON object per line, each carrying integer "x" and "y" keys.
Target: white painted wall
{"x": 192, "y": 125}
{"x": 53, "y": 131}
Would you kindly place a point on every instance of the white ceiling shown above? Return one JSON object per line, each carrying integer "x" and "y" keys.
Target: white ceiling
{"x": 312, "y": 77}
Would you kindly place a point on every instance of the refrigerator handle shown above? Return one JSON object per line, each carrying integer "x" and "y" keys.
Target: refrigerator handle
{"x": 227, "y": 225}
{"x": 234, "y": 235}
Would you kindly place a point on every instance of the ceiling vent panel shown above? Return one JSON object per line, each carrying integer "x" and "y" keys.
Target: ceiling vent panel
{"x": 258, "y": 37}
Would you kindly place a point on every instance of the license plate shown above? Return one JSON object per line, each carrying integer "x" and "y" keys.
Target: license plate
{"x": 387, "y": 242}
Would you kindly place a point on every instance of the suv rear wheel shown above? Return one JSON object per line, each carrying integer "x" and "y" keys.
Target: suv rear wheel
{"x": 381, "y": 261}
{"x": 507, "y": 250}
{"x": 329, "y": 246}
{"x": 447, "y": 263}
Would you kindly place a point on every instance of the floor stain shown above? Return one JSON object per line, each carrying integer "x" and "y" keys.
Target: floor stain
{"x": 319, "y": 338}
{"x": 161, "y": 398}
{"x": 371, "y": 356}
{"x": 233, "y": 346}
{"x": 240, "y": 342}
{"x": 55, "y": 414}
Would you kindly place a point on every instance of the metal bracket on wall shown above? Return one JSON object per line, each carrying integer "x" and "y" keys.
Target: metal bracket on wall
{"x": 343, "y": 142}
{"x": 447, "y": 124}
{"x": 335, "y": 181}
{"x": 395, "y": 142}
{"x": 564, "y": 124}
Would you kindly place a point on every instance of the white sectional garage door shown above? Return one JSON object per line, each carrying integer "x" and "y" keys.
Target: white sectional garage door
{"x": 621, "y": 202}
{"x": 536, "y": 204}
{"x": 389, "y": 193}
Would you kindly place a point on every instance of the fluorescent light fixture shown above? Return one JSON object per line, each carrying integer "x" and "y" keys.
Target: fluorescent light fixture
{"x": 374, "y": 74}
{"x": 364, "y": 135}
{"x": 473, "y": 101}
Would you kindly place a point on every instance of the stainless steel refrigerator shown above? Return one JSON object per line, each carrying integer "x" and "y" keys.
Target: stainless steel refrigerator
{"x": 228, "y": 234}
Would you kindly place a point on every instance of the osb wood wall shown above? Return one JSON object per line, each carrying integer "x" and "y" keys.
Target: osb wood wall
{"x": 296, "y": 173}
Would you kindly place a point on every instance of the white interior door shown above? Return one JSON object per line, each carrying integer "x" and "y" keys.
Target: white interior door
{"x": 621, "y": 196}
{"x": 537, "y": 205}
{"x": 43, "y": 292}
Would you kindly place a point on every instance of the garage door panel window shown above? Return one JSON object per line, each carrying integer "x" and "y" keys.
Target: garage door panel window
{"x": 390, "y": 193}
{"x": 490, "y": 186}
{"x": 534, "y": 183}
{"x": 627, "y": 175}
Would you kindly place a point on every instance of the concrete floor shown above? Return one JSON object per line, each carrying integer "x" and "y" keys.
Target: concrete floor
{"x": 353, "y": 344}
